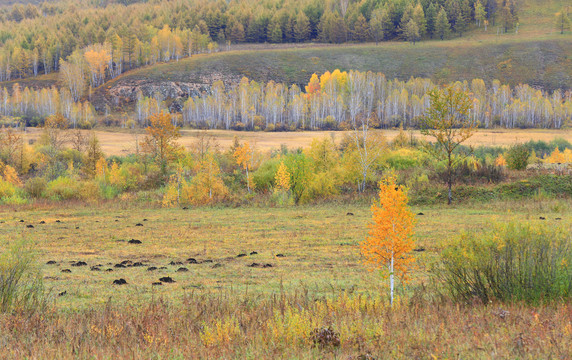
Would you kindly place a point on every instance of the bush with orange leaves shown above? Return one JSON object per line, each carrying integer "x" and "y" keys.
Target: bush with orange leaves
{"x": 390, "y": 241}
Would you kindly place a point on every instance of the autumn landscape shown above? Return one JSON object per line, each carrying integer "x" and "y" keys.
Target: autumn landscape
{"x": 309, "y": 179}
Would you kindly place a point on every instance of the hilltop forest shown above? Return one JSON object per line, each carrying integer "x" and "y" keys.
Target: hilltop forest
{"x": 110, "y": 37}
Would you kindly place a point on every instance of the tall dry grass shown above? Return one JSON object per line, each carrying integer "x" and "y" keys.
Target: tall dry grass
{"x": 242, "y": 326}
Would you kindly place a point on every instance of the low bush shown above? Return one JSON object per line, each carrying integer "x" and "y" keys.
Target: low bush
{"x": 552, "y": 185}
{"x": 63, "y": 188}
{"x": 35, "y": 187}
{"x": 517, "y": 157}
{"x": 511, "y": 263}
{"x": 7, "y": 189}
{"x": 403, "y": 158}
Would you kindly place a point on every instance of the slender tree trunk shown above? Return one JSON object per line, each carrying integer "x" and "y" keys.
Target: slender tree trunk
{"x": 247, "y": 180}
{"x": 391, "y": 283}
{"x": 449, "y": 180}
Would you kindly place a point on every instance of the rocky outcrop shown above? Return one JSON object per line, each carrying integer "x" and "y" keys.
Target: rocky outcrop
{"x": 174, "y": 88}
{"x": 164, "y": 89}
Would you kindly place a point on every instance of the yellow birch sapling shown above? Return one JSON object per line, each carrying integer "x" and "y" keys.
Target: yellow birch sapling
{"x": 390, "y": 241}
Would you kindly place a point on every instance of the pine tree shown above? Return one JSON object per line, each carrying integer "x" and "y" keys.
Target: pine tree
{"x": 379, "y": 23}
{"x": 442, "y": 25}
{"x": 419, "y": 18}
{"x": 411, "y": 31}
{"x": 302, "y": 27}
{"x": 507, "y": 14}
{"x": 361, "y": 29}
{"x": 463, "y": 18}
{"x": 407, "y": 15}
{"x": 129, "y": 46}
{"x": 562, "y": 22}
{"x": 236, "y": 32}
{"x": 275, "y": 35}
{"x": 431, "y": 17}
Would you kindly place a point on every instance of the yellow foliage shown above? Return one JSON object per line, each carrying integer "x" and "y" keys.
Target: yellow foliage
{"x": 567, "y": 155}
{"x": 172, "y": 194}
{"x": 101, "y": 168}
{"x": 222, "y": 332}
{"x": 313, "y": 86}
{"x": 206, "y": 187}
{"x": 161, "y": 138}
{"x": 115, "y": 176}
{"x": 292, "y": 326}
{"x": 390, "y": 233}
{"x": 282, "y": 178}
{"x": 243, "y": 156}
{"x": 556, "y": 157}
{"x": 500, "y": 161}
{"x": 11, "y": 175}
{"x": 98, "y": 60}
{"x": 560, "y": 157}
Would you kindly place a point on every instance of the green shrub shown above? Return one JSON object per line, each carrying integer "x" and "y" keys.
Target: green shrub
{"x": 552, "y": 185}
{"x": 7, "y": 189}
{"x": 18, "y": 198}
{"x": 512, "y": 262}
{"x": 109, "y": 192}
{"x": 517, "y": 157}
{"x": 263, "y": 177}
{"x": 35, "y": 187}
{"x": 403, "y": 158}
{"x": 21, "y": 286}
{"x": 63, "y": 188}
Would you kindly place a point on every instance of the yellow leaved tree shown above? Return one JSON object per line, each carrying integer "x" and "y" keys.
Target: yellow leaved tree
{"x": 161, "y": 141}
{"x": 243, "y": 156}
{"x": 557, "y": 157}
{"x": 282, "y": 180}
{"x": 390, "y": 241}
{"x": 9, "y": 174}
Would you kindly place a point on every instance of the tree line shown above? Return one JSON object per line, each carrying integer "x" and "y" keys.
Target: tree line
{"x": 114, "y": 36}
{"x": 332, "y": 101}
{"x": 339, "y": 100}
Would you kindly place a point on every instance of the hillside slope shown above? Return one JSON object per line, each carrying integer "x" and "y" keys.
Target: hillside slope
{"x": 545, "y": 64}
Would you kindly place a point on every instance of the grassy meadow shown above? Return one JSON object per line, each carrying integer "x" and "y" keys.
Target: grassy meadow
{"x": 314, "y": 246}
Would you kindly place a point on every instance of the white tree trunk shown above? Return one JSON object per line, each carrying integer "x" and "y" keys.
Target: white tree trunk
{"x": 391, "y": 282}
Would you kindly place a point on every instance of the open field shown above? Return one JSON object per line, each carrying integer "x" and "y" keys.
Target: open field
{"x": 122, "y": 142}
{"x": 319, "y": 244}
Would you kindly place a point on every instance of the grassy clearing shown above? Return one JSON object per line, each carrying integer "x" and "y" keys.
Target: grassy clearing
{"x": 319, "y": 244}
{"x": 121, "y": 142}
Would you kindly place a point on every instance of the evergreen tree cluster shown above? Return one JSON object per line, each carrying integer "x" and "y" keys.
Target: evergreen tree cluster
{"x": 35, "y": 39}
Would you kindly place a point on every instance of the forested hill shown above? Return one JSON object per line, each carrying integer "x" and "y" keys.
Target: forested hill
{"x": 104, "y": 38}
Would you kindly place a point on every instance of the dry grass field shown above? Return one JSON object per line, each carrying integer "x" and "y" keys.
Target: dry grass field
{"x": 123, "y": 142}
